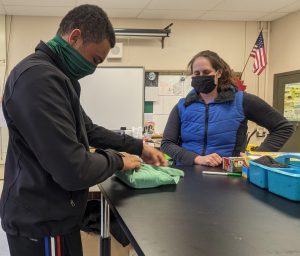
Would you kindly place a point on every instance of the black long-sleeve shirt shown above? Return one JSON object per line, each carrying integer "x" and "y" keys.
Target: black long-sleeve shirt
{"x": 255, "y": 109}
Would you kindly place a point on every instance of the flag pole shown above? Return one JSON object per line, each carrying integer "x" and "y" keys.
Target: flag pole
{"x": 250, "y": 54}
{"x": 245, "y": 67}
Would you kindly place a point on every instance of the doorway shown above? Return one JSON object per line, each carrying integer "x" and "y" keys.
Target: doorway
{"x": 286, "y": 99}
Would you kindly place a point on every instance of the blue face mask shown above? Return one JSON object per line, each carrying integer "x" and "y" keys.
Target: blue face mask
{"x": 203, "y": 84}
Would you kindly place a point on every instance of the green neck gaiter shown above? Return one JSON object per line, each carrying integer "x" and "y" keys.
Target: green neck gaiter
{"x": 77, "y": 66}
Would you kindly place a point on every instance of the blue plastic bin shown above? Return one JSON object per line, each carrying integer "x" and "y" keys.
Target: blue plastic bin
{"x": 292, "y": 159}
{"x": 258, "y": 174}
{"x": 281, "y": 181}
{"x": 285, "y": 182}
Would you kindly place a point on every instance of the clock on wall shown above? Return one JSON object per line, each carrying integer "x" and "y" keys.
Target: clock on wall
{"x": 151, "y": 79}
{"x": 151, "y": 76}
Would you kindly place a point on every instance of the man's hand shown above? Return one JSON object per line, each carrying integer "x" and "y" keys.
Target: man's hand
{"x": 209, "y": 160}
{"x": 130, "y": 161}
{"x": 153, "y": 156}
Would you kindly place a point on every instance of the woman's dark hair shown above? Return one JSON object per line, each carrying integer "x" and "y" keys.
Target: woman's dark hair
{"x": 227, "y": 78}
{"x": 92, "y": 22}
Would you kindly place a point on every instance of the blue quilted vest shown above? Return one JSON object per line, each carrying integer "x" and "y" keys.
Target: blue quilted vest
{"x": 211, "y": 128}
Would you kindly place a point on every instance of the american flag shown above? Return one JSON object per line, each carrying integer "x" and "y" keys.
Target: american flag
{"x": 259, "y": 54}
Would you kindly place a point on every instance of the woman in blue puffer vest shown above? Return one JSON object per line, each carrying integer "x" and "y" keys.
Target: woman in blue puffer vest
{"x": 211, "y": 122}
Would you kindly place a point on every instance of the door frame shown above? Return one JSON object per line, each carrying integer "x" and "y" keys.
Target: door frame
{"x": 291, "y": 75}
{"x": 278, "y": 103}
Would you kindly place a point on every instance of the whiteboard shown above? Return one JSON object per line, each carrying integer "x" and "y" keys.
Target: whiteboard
{"x": 113, "y": 97}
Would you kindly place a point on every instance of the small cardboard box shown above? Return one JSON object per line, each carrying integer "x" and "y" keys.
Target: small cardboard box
{"x": 233, "y": 164}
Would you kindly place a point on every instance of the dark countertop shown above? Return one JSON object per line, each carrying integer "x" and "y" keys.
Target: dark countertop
{"x": 206, "y": 215}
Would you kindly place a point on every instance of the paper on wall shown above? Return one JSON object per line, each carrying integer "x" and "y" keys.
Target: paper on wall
{"x": 151, "y": 93}
{"x": 171, "y": 85}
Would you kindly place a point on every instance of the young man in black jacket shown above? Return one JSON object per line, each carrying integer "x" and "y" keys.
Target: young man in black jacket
{"x": 49, "y": 167}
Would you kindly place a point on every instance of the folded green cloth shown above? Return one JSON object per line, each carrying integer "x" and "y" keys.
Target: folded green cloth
{"x": 149, "y": 176}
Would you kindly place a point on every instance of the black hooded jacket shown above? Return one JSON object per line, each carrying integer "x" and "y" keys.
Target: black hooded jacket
{"x": 48, "y": 166}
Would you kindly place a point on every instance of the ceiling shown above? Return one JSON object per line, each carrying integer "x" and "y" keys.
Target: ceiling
{"x": 231, "y": 10}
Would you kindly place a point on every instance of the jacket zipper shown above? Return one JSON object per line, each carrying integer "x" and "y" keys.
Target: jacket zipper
{"x": 72, "y": 203}
{"x": 205, "y": 130}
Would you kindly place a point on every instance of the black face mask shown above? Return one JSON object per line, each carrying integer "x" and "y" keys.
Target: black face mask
{"x": 203, "y": 84}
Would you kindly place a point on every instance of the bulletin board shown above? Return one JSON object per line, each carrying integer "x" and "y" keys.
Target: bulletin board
{"x": 174, "y": 82}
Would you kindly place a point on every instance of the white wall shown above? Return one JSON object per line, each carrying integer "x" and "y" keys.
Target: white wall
{"x": 232, "y": 40}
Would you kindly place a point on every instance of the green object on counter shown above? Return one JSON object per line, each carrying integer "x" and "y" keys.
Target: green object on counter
{"x": 149, "y": 176}
{"x": 167, "y": 157}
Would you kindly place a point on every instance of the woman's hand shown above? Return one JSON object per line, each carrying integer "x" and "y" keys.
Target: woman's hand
{"x": 153, "y": 156}
{"x": 209, "y": 160}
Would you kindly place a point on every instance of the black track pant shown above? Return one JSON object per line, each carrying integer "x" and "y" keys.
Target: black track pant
{"x": 65, "y": 245}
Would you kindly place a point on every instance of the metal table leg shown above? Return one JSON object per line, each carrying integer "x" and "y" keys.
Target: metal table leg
{"x": 105, "y": 246}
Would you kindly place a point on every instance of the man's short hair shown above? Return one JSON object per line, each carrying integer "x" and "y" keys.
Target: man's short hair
{"x": 92, "y": 22}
